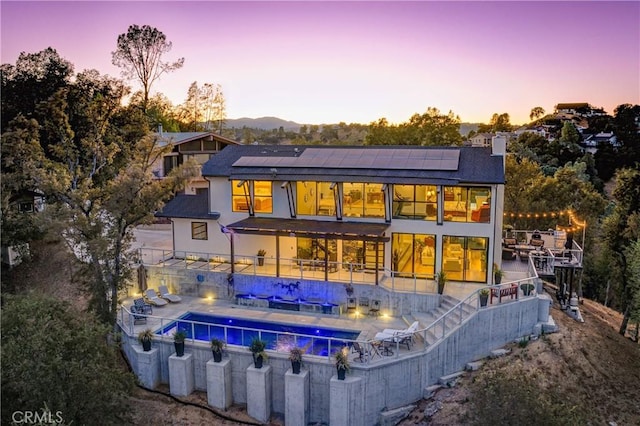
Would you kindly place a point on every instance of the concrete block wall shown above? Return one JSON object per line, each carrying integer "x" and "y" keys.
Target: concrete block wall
{"x": 389, "y": 385}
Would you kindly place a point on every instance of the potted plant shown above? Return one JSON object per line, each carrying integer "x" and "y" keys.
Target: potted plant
{"x": 349, "y": 289}
{"x": 527, "y": 289}
{"x": 178, "y": 341}
{"x": 261, "y": 254}
{"x": 145, "y": 337}
{"x": 342, "y": 362}
{"x": 295, "y": 356}
{"x": 484, "y": 296}
{"x": 497, "y": 274}
{"x": 441, "y": 279}
{"x": 216, "y": 347}
{"x": 257, "y": 348}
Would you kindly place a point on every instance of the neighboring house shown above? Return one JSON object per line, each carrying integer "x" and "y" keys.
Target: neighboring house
{"x": 581, "y": 109}
{"x": 408, "y": 209}
{"x": 537, "y": 130}
{"x": 25, "y": 202}
{"x": 482, "y": 139}
{"x": 591, "y": 143}
{"x": 200, "y": 146}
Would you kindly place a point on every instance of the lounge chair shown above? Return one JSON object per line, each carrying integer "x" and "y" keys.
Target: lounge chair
{"x": 164, "y": 293}
{"x": 363, "y": 355}
{"x": 398, "y": 336}
{"x": 141, "y": 307}
{"x": 153, "y": 298}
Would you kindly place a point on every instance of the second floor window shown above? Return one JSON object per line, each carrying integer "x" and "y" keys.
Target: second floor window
{"x": 239, "y": 196}
{"x": 363, "y": 200}
{"x": 415, "y": 202}
{"x": 262, "y": 196}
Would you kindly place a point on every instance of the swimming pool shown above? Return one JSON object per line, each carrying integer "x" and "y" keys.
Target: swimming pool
{"x": 279, "y": 336}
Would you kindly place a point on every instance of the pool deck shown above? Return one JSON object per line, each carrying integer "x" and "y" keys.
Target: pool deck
{"x": 367, "y": 325}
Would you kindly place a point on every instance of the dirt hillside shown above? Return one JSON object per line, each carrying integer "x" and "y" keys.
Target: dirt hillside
{"x": 590, "y": 362}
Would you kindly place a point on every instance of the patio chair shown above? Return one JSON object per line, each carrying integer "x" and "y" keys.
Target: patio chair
{"x": 363, "y": 355}
{"x": 164, "y": 293}
{"x": 153, "y": 298}
{"x": 374, "y": 310}
{"x": 363, "y": 303}
{"x": 351, "y": 305}
{"x": 141, "y": 307}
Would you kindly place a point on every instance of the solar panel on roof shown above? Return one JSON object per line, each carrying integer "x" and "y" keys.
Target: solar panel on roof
{"x": 356, "y": 158}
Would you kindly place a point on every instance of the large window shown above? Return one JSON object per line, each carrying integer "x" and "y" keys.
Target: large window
{"x": 315, "y": 198}
{"x": 263, "y": 196}
{"x": 413, "y": 254}
{"x": 465, "y": 258}
{"x": 239, "y": 196}
{"x": 363, "y": 200}
{"x": 415, "y": 202}
{"x": 198, "y": 230}
{"x": 467, "y": 204}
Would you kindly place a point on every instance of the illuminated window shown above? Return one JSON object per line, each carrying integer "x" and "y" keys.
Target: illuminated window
{"x": 415, "y": 202}
{"x": 467, "y": 204}
{"x": 315, "y": 198}
{"x": 413, "y": 254}
{"x": 363, "y": 200}
{"x": 263, "y": 196}
{"x": 198, "y": 230}
{"x": 239, "y": 196}
{"x": 465, "y": 258}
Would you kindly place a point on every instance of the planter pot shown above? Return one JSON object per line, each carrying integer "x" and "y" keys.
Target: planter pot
{"x": 527, "y": 289}
{"x": 484, "y": 298}
{"x": 179, "y": 348}
{"x": 146, "y": 345}
{"x": 497, "y": 279}
{"x": 257, "y": 361}
{"x": 440, "y": 288}
{"x": 260, "y": 261}
{"x": 341, "y": 373}
{"x": 217, "y": 356}
{"x": 295, "y": 366}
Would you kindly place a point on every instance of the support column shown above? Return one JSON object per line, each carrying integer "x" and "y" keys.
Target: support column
{"x": 181, "y": 380}
{"x": 346, "y": 401}
{"x": 148, "y": 366}
{"x": 259, "y": 392}
{"x": 296, "y": 398}
{"x": 219, "y": 384}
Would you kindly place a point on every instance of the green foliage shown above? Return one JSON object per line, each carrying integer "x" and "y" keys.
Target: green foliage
{"x": 139, "y": 53}
{"x": 145, "y": 335}
{"x": 498, "y": 123}
{"x": 295, "y": 354}
{"x": 499, "y": 398}
{"x": 217, "y": 345}
{"x": 56, "y": 356}
{"x": 342, "y": 359}
{"x": 429, "y": 129}
{"x": 179, "y": 336}
{"x": 257, "y": 347}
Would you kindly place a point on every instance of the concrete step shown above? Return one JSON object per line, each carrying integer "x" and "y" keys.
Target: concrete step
{"x": 450, "y": 380}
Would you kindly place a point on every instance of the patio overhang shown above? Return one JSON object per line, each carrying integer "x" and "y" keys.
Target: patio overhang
{"x": 362, "y": 231}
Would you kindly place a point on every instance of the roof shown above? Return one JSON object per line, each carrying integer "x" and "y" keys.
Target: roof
{"x": 188, "y": 207}
{"x": 177, "y": 138}
{"x": 311, "y": 228}
{"x": 289, "y": 162}
{"x": 575, "y": 105}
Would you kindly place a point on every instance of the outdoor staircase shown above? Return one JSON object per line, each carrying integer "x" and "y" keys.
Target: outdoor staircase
{"x": 451, "y": 321}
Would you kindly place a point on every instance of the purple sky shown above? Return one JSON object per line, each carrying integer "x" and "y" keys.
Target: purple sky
{"x": 325, "y": 62}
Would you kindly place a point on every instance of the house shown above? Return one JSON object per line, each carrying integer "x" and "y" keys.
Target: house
{"x": 387, "y": 210}
{"x": 591, "y": 143}
{"x": 482, "y": 139}
{"x": 200, "y": 146}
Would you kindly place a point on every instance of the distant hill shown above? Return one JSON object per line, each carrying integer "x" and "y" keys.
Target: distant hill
{"x": 270, "y": 123}
{"x": 264, "y": 123}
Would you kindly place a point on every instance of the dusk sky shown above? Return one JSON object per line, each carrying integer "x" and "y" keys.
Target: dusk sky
{"x": 326, "y": 62}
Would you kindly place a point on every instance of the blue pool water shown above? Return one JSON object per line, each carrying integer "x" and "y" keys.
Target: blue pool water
{"x": 279, "y": 336}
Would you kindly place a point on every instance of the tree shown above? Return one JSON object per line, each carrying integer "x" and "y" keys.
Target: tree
{"x": 99, "y": 183}
{"x": 139, "y": 52}
{"x": 621, "y": 228}
{"x": 627, "y": 120}
{"x": 56, "y": 356}
{"x": 498, "y": 123}
{"x": 33, "y": 79}
{"x": 633, "y": 254}
{"x": 429, "y": 129}
{"x": 536, "y": 112}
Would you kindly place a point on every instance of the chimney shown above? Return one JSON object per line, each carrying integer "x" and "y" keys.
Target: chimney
{"x": 499, "y": 146}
